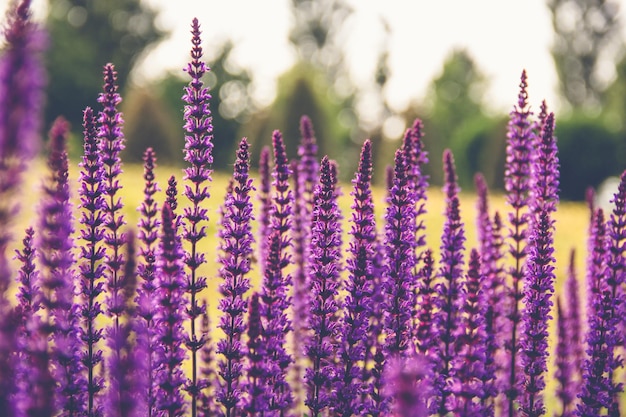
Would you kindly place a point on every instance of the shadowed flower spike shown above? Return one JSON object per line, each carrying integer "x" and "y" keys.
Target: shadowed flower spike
{"x": 450, "y": 285}
{"x": 520, "y": 140}
{"x": 276, "y": 325}
{"x": 92, "y": 203}
{"x": 359, "y": 288}
{"x": 171, "y": 309}
{"x": 573, "y": 327}
{"x": 199, "y": 155}
{"x": 28, "y": 277}
{"x": 22, "y": 84}
{"x": 425, "y": 331}
{"x": 57, "y": 278}
{"x": 469, "y": 369}
{"x": 147, "y": 270}
{"x": 235, "y": 252}
{"x": 325, "y": 268}
{"x": 111, "y": 144}
{"x": 265, "y": 202}
{"x": 564, "y": 367}
{"x": 256, "y": 401}
{"x": 208, "y": 406}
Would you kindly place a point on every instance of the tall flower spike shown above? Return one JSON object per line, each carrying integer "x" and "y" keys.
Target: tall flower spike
{"x": 359, "y": 288}
{"x": 517, "y": 171}
{"x": 265, "y": 203}
{"x": 198, "y": 153}
{"x": 471, "y": 338}
{"x": 171, "y": 308}
{"x": 126, "y": 362}
{"x": 399, "y": 278}
{"x": 596, "y": 385}
{"x": 256, "y": 402}
{"x": 449, "y": 287}
{"x": 324, "y": 269}
{"x": 235, "y": 252}
{"x": 57, "y": 282}
{"x": 147, "y": 270}
{"x": 564, "y": 366}
{"x": 208, "y": 406}
{"x": 539, "y": 278}
{"x": 573, "y": 322}
{"x": 111, "y": 144}
{"x": 276, "y": 325}
{"x": 417, "y": 158}
{"x": 425, "y": 331}
{"x": 92, "y": 203}
{"x": 22, "y": 84}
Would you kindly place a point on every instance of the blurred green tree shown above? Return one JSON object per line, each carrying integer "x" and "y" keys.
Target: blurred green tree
{"x": 587, "y": 34}
{"x": 454, "y": 102}
{"x": 85, "y": 35}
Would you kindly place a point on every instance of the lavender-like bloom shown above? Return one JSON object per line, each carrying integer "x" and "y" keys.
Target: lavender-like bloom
{"x": 168, "y": 320}
{"x": 57, "y": 277}
{"x": 27, "y": 276}
{"x": 276, "y": 325}
{"x": 265, "y": 203}
{"x": 111, "y": 144}
{"x": 425, "y": 331}
{"x": 147, "y": 270}
{"x": 539, "y": 279}
{"x": 573, "y": 327}
{"x": 471, "y": 345}
{"x": 325, "y": 268}
{"x": 198, "y": 153}
{"x": 490, "y": 249}
{"x": 450, "y": 287}
{"x": 596, "y": 385}
{"x": 208, "y": 406}
{"x": 256, "y": 401}
{"x": 359, "y": 288}
{"x": 126, "y": 362}
{"x": 399, "y": 278}
{"x": 22, "y": 84}
{"x": 408, "y": 383}
{"x": 92, "y": 203}
{"x": 236, "y": 250}
{"x": 564, "y": 366}
{"x": 517, "y": 171}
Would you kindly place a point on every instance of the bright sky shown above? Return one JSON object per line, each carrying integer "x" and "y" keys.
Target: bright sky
{"x": 504, "y": 37}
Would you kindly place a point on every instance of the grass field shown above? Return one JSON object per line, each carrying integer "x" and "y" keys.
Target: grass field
{"x": 571, "y": 220}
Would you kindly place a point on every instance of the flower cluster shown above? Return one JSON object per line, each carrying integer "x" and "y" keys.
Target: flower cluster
{"x": 111, "y": 320}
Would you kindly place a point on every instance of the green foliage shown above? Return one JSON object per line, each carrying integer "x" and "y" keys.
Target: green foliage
{"x": 589, "y": 153}
{"x": 85, "y": 35}
{"x": 585, "y": 30}
{"x": 454, "y": 102}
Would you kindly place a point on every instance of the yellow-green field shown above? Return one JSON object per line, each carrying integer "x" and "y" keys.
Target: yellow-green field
{"x": 571, "y": 219}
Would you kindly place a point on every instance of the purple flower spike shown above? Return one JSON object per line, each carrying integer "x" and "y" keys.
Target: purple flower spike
{"x": 469, "y": 372}
{"x": 27, "y": 276}
{"x": 276, "y": 325}
{"x": 265, "y": 202}
{"x": 147, "y": 270}
{"x": 171, "y": 308}
{"x": 399, "y": 278}
{"x": 539, "y": 279}
{"x": 425, "y": 331}
{"x": 57, "y": 276}
{"x": 198, "y": 153}
{"x": 257, "y": 400}
{"x": 208, "y": 406}
{"x": 236, "y": 250}
{"x": 111, "y": 144}
{"x": 22, "y": 84}
{"x": 325, "y": 268}
{"x": 93, "y": 204}
{"x": 408, "y": 384}
{"x": 359, "y": 287}
{"x": 574, "y": 331}
{"x": 450, "y": 287}
{"x": 564, "y": 367}
{"x": 126, "y": 363}
{"x": 517, "y": 175}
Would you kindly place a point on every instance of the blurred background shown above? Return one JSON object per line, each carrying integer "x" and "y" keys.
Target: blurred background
{"x": 360, "y": 69}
